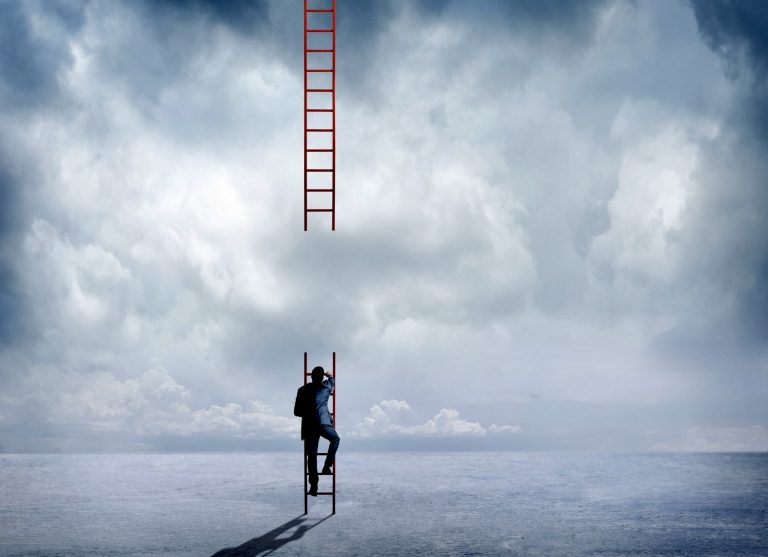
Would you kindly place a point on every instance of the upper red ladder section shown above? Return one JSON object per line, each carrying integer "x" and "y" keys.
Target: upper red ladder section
{"x": 320, "y": 107}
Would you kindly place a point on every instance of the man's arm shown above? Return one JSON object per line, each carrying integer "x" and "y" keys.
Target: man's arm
{"x": 298, "y": 406}
{"x": 329, "y": 381}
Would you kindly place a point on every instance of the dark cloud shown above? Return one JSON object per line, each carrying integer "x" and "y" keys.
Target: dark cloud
{"x": 32, "y": 58}
{"x": 363, "y": 27}
{"x": 738, "y": 32}
{"x": 163, "y": 44}
{"x": 33, "y": 54}
{"x": 733, "y": 29}
{"x": 244, "y": 15}
{"x": 11, "y": 306}
{"x": 728, "y": 241}
{"x": 12, "y": 221}
{"x": 359, "y": 21}
{"x": 9, "y": 201}
{"x": 571, "y": 18}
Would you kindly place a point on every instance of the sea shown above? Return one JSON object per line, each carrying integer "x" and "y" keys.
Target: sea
{"x": 388, "y": 503}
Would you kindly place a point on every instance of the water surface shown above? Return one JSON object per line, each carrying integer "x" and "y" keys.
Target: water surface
{"x": 549, "y": 504}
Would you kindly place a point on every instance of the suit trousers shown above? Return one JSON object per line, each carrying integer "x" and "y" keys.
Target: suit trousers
{"x": 311, "y": 440}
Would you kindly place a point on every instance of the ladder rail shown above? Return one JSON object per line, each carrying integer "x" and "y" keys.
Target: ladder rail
{"x": 306, "y": 194}
{"x": 306, "y": 472}
{"x": 334, "y": 425}
{"x": 333, "y": 185}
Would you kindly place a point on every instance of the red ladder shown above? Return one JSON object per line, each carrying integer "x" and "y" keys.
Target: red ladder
{"x": 332, "y": 493}
{"x": 320, "y": 84}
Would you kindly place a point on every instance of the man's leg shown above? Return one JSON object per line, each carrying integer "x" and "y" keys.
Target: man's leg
{"x": 310, "y": 449}
{"x": 329, "y": 433}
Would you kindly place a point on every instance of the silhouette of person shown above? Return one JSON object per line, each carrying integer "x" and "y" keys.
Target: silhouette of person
{"x": 316, "y": 421}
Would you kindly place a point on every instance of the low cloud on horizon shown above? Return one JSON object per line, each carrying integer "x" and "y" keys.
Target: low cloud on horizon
{"x": 551, "y": 226}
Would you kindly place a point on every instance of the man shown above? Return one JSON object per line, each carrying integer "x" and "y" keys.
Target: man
{"x": 316, "y": 421}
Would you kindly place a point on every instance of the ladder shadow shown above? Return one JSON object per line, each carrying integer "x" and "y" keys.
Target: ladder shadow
{"x": 271, "y": 541}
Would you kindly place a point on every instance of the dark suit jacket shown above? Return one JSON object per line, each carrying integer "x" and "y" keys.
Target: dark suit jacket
{"x": 312, "y": 405}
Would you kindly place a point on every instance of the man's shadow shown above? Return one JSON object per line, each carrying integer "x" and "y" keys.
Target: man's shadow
{"x": 269, "y": 542}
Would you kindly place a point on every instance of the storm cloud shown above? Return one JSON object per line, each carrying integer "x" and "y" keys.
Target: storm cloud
{"x": 550, "y": 227}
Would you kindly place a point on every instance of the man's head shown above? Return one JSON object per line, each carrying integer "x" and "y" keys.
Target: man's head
{"x": 317, "y": 374}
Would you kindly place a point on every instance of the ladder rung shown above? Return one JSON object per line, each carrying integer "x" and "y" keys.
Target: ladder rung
{"x": 319, "y": 211}
{"x": 319, "y": 150}
{"x": 319, "y": 50}
{"x": 326, "y": 71}
{"x": 319, "y": 129}
{"x": 319, "y": 10}
{"x": 319, "y": 110}
{"x": 319, "y": 90}
{"x": 325, "y": 492}
{"x": 319, "y": 30}
{"x": 318, "y": 190}
{"x": 319, "y": 169}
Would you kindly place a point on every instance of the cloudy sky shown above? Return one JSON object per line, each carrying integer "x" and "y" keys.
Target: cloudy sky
{"x": 551, "y": 225}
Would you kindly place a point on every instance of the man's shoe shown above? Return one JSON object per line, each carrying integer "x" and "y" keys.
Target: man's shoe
{"x": 313, "y": 490}
{"x": 326, "y": 470}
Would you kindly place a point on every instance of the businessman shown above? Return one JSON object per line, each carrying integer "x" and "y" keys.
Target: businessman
{"x": 316, "y": 421}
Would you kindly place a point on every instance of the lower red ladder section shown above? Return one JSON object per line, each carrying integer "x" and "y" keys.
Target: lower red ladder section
{"x": 332, "y": 493}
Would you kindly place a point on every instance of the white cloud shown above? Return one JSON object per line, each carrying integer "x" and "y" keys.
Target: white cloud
{"x": 152, "y": 404}
{"x": 386, "y": 419}
{"x": 259, "y": 420}
{"x": 719, "y": 439}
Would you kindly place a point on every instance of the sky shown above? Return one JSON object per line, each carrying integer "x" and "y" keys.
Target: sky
{"x": 550, "y": 227}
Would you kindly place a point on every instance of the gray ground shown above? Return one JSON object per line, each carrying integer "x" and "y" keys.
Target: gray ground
{"x": 422, "y": 504}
